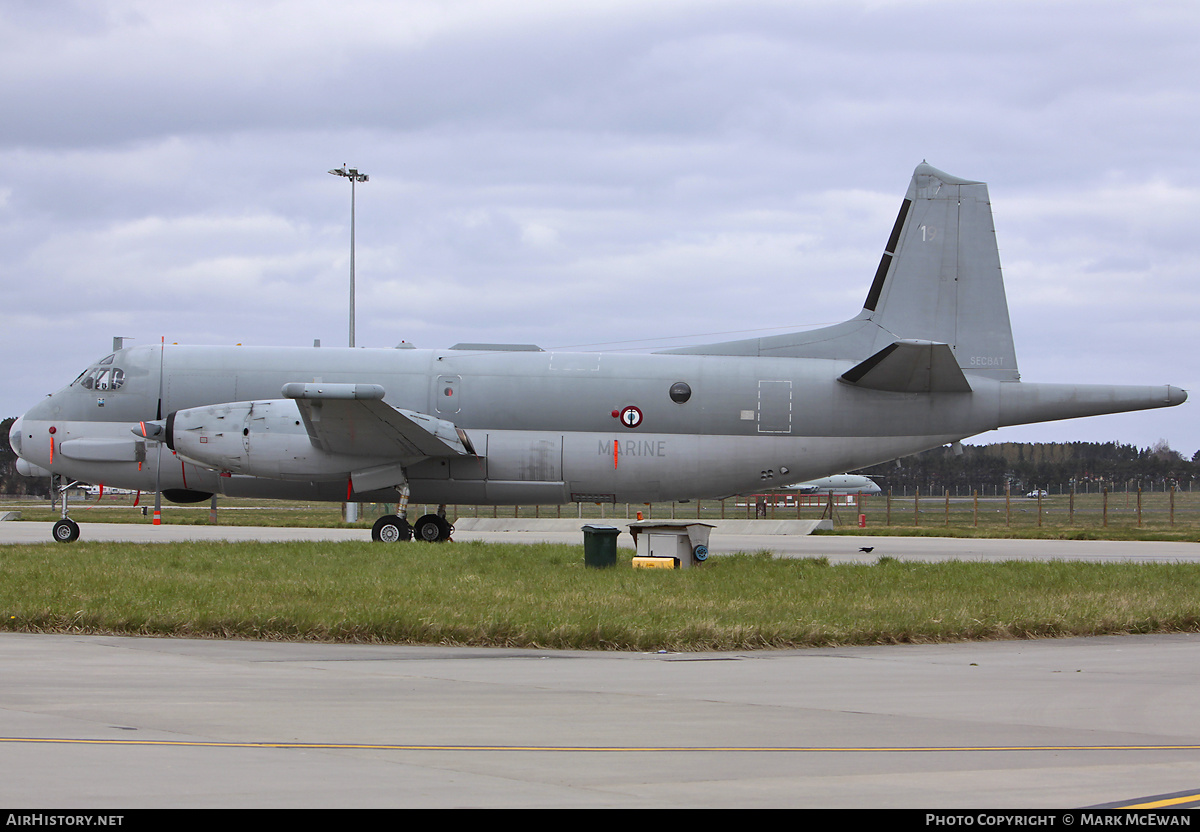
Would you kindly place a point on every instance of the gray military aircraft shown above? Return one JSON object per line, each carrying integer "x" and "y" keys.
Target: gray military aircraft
{"x": 837, "y": 484}
{"x": 928, "y": 361}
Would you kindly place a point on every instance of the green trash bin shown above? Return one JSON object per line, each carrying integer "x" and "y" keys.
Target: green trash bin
{"x": 600, "y": 545}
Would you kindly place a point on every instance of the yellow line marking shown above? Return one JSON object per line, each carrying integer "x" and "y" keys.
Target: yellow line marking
{"x": 620, "y": 748}
{"x": 1158, "y": 804}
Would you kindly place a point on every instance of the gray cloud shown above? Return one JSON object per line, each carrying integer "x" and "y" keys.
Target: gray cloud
{"x": 589, "y": 173}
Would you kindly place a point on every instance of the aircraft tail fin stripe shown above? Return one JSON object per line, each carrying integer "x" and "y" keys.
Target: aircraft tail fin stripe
{"x": 898, "y": 227}
{"x": 885, "y": 262}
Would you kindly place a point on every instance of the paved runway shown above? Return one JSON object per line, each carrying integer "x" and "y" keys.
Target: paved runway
{"x": 835, "y": 547}
{"x": 113, "y": 722}
{"x": 107, "y": 722}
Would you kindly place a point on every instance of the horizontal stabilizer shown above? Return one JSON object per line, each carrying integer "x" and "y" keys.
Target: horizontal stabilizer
{"x": 909, "y": 366}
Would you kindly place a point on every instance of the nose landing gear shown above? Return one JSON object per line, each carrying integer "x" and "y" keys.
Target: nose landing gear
{"x": 65, "y": 530}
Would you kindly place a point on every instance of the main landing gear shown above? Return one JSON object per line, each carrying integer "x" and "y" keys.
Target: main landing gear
{"x": 390, "y": 529}
{"x": 433, "y": 528}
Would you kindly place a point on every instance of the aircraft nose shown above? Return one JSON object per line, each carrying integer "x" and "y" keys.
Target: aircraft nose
{"x": 14, "y": 437}
{"x": 1176, "y": 396}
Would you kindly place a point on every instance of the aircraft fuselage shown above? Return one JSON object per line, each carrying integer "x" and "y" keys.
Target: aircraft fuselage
{"x": 547, "y": 427}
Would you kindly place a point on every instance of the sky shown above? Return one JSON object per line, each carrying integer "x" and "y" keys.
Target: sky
{"x": 592, "y": 175}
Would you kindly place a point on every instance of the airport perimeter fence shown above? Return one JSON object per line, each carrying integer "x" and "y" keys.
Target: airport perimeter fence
{"x": 1132, "y": 508}
{"x": 1171, "y": 510}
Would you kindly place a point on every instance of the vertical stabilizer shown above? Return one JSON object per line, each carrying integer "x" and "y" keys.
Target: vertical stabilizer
{"x": 938, "y": 281}
{"x": 939, "y": 278}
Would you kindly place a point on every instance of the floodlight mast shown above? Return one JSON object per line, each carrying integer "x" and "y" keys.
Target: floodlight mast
{"x": 351, "y": 509}
{"x": 355, "y": 177}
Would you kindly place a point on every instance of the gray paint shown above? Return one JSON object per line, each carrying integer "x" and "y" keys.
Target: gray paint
{"x": 929, "y": 360}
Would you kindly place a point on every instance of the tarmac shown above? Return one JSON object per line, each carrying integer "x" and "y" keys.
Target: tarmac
{"x": 105, "y": 722}
{"x": 784, "y": 538}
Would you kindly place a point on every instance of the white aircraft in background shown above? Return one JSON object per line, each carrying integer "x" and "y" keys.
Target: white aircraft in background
{"x": 97, "y": 490}
{"x": 839, "y": 484}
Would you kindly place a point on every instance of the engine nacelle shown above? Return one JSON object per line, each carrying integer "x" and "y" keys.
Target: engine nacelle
{"x": 261, "y": 439}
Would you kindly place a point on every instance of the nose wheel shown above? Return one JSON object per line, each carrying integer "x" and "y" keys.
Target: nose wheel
{"x": 66, "y": 530}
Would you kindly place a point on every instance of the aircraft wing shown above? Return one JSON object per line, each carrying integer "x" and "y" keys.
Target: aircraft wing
{"x": 353, "y": 419}
{"x": 910, "y": 366}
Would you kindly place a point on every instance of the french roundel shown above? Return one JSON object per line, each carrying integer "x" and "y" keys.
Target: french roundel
{"x": 631, "y": 417}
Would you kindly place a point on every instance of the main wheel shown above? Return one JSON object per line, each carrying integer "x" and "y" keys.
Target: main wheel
{"x": 432, "y": 529}
{"x": 390, "y": 529}
{"x": 66, "y": 530}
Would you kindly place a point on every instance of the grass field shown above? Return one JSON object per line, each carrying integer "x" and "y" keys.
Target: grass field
{"x": 542, "y": 596}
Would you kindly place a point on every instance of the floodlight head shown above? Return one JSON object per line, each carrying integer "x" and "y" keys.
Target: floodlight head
{"x": 352, "y": 174}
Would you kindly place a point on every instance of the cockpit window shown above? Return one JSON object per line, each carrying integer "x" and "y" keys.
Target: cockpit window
{"x": 102, "y": 378}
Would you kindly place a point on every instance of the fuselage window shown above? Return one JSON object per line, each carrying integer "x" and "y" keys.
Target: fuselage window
{"x": 680, "y": 392}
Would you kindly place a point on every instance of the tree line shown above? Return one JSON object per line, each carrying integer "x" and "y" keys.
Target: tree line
{"x": 10, "y": 481}
{"x": 1023, "y": 466}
